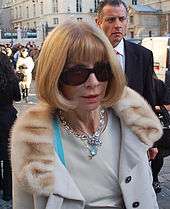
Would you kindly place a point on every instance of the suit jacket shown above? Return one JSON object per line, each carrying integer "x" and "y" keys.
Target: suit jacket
{"x": 139, "y": 70}
{"x": 40, "y": 181}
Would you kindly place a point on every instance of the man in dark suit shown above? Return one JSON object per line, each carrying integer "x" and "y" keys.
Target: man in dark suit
{"x": 136, "y": 61}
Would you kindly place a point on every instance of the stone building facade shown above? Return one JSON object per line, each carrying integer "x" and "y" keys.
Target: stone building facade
{"x": 34, "y": 13}
{"x": 5, "y": 19}
{"x": 143, "y": 21}
{"x": 164, "y": 7}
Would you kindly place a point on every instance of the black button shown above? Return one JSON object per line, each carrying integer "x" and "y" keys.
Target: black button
{"x": 128, "y": 179}
{"x": 135, "y": 204}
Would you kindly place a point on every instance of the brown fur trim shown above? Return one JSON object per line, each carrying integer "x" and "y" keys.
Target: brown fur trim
{"x": 32, "y": 151}
{"x": 139, "y": 116}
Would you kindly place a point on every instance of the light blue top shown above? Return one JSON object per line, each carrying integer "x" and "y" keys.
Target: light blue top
{"x": 97, "y": 179}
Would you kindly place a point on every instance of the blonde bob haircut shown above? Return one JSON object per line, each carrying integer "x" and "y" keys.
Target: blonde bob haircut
{"x": 72, "y": 43}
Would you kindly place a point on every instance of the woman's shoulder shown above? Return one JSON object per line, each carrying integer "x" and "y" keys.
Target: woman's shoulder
{"x": 33, "y": 123}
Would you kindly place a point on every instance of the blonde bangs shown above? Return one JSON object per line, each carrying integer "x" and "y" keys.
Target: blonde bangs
{"x": 87, "y": 48}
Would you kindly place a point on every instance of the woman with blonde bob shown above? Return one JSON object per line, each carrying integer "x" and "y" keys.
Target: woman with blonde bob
{"x": 84, "y": 145}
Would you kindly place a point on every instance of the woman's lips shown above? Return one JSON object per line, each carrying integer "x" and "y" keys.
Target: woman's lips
{"x": 91, "y": 98}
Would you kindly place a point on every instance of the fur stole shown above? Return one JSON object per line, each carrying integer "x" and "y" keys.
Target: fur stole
{"x": 139, "y": 116}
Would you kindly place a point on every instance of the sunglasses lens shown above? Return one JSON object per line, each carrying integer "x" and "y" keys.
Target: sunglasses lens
{"x": 103, "y": 72}
{"x": 75, "y": 76}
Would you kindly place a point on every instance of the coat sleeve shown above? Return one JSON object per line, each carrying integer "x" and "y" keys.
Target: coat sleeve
{"x": 16, "y": 90}
{"x": 148, "y": 91}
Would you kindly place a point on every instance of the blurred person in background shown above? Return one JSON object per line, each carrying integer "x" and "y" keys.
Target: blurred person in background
{"x": 10, "y": 56}
{"x": 136, "y": 60}
{"x": 25, "y": 65}
{"x": 2, "y": 49}
{"x": 9, "y": 92}
{"x": 16, "y": 49}
{"x": 163, "y": 144}
{"x": 34, "y": 53}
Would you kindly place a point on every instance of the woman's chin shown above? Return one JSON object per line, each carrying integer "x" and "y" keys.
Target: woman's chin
{"x": 89, "y": 107}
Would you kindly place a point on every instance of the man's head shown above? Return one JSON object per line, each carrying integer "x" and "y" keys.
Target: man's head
{"x": 112, "y": 19}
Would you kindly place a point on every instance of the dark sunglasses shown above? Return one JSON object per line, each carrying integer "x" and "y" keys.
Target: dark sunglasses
{"x": 78, "y": 74}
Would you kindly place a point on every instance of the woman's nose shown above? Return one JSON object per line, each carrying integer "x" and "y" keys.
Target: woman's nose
{"x": 91, "y": 81}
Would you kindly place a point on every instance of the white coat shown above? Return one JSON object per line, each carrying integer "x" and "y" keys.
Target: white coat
{"x": 40, "y": 180}
{"x": 29, "y": 63}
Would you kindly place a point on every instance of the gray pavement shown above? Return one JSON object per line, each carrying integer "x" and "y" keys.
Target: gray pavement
{"x": 164, "y": 177}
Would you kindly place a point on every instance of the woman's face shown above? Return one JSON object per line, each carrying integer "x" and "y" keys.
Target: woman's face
{"x": 89, "y": 94}
{"x": 24, "y": 53}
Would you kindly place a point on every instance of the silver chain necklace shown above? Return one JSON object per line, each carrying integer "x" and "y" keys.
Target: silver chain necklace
{"x": 92, "y": 142}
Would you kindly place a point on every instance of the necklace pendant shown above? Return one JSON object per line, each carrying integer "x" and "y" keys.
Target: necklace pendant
{"x": 93, "y": 151}
{"x": 92, "y": 142}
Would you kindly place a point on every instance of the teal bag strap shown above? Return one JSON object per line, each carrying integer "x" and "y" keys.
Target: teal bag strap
{"x": 57, "y": 141}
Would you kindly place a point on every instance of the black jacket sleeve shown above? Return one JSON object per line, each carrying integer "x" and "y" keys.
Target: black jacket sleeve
{"x": 16, "y": 90}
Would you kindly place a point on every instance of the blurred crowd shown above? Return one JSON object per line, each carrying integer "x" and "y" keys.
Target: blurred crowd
{"x": 13, "y": 51}
{"x": 22, "y": 59}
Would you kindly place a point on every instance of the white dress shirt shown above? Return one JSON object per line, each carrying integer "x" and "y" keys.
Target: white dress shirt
{"x": 120, "y": 50}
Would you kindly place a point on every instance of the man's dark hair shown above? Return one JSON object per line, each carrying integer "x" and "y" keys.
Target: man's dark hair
{"x": 113, "y": 3}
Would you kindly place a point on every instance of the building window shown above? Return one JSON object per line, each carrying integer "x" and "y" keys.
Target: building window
{"x": 150, "y": 33}
{"x": 131, "y": 19}
{"x": 35, "y": 25}
{"x": 12, "y": 13}
{"x": 41, "y": 8}
{"x": 28, "y": 25}
{"x": 132, "y": 34}
{"x": 20, "y": 11}
{"x": 134, "y": 2}
{"x": 34, "y": 10}
{"x": 27, "y": 11}
{"x": 96, "y": 3}
{"x": 79, "y": 19}
{"x": 16, "y": 12}
{"x": 55, "y": 6}
{"x": 55, "y": 21}
{"x": 79, "y": 5}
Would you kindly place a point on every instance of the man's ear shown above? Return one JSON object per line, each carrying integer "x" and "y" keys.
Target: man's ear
{"x": 98, "y": 21}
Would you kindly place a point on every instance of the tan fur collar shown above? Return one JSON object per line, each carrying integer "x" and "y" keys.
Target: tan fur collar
{"x": 138, "y": 116}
